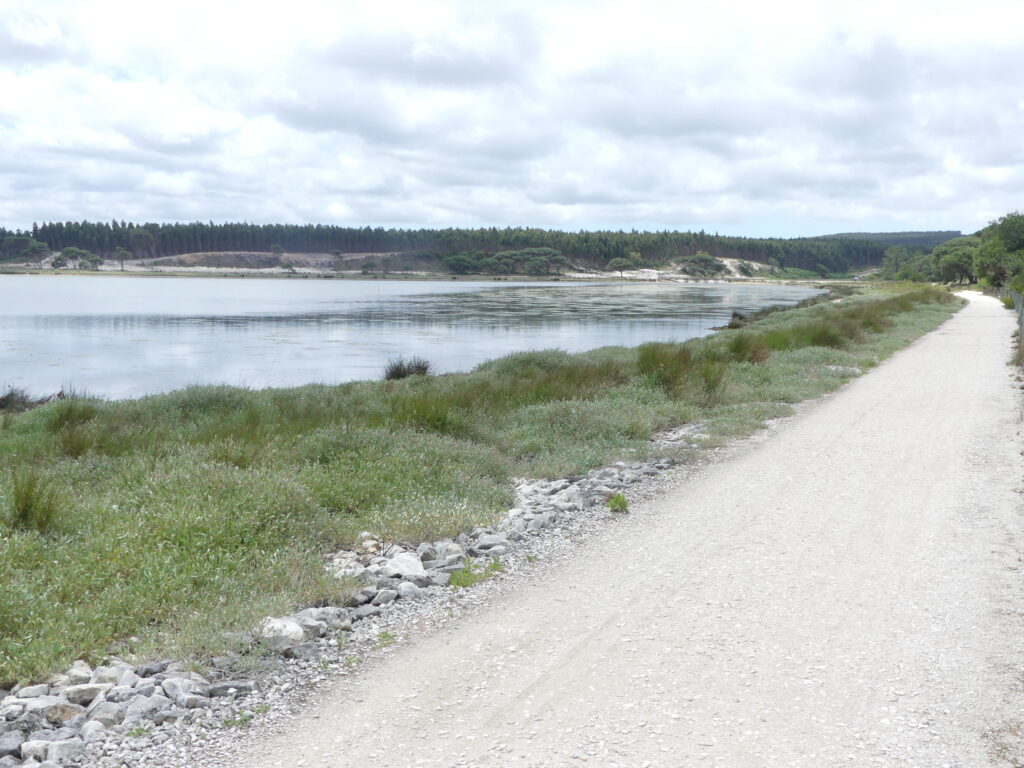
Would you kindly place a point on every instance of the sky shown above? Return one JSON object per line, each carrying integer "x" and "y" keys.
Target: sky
{"x": 744, "y": 118}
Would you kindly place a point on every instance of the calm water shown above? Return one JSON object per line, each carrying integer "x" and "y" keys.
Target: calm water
{"x": 126, "y": 337}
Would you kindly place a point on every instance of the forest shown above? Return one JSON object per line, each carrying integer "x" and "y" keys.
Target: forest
{"x": 488, "y": 249}
{"x": 994, "y": 255}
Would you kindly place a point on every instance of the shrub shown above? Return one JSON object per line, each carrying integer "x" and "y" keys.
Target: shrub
{"x": 402, "y": 368}
{"x": 35, "y": 502}
{"x": 748, "y": 348}
{"x": 617, "y": 502}
{"x": 666, "y": 364}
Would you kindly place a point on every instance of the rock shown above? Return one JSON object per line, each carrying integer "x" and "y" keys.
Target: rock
{"x": 404, "y": 565}
{"x": 302, "y": 651}
{"x": 10, "y": 743}
{"x": 122, "y": 693}
{"x": 498, "y": 550}
{"x": 106, "y": 713}
{"x": 364, "y": 611}
{"x": 440, "y": 579}
{"x": 312, "y": 627}
{"x": 170, "y": 716}
{"x": 59, "y": 734}
{"x": 384, "y": 597}
{"x": 31, "y": 721}
{"x": 34, "y": 691}
{"x": 146, "y": 708}
{"x": 85, "y": 693}
{"x": 278, "y": 634}
{"x": 11, "y": 711}
{"x": 233, "y": 688}
{"x": 79, "y": 673}
{"x": 62, "y": 711}
{"x": 151, "y": 668}
{"x": 426, "y": 552}
{"x": 93, "y": 731}
{"x": 193, "y": 701}
{"x": 105, "y": 675}
{"x": 12, "y": 762}
{"x": 128, "y": 677}
{"x": 58, "y": 751}
{"x": 34, "y": 749}
{"x": 178, "y": 688}
{"x": 409, "y": 591}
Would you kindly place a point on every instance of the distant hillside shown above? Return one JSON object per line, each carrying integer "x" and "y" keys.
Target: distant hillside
{"x": 926, "y": 240}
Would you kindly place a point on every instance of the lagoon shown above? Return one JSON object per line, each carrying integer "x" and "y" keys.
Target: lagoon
{"x": 121, "y": 337}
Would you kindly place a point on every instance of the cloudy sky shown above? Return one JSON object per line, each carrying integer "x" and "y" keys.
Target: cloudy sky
{"x": 749, "y": 118}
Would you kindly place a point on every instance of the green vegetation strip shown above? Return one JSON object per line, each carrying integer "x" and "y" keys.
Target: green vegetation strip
{"x": 159, "y": 524}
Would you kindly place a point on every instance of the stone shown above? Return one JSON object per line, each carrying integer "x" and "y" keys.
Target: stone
{"x": 146, "y": 708}
{"x": 11, "y": 711}
{"x": 278, "y": 634}
{"x": 498, "y": 551}
{"x": 34, "y": 749}
{"x": 384, "y": 597}
{"x": 58, "y": 734}
{"x": 233, "y": 688}
{"x": 59, "y": 751}
{"x": 9, "y": 761}
{"x": 106, "y": 713}
{"x": 10, "y": 743}
{"x": 122, "y": 693}
{"x": 105, "y": 675}
{"x": 440, "y": 579}
{"x": 128, "y": 677}
{"x": 170, "y": 716}
{"x": 193, "y": 701}
{"x": 34, "y": 691}
{"x": 151, "y": 668}
{"x": 365, "y": 611}
{"x": 404, "y": 565}
{"x": 79, "y": 673}
{"x": 409, "y": 591}
{"x": 31, "y": 721}
{"x": 302, "y": 651}
{"x": 312, "y": 627}
{"x": 178, "y": 688}
{"x": 62, "y": 711}
{"x": 85, "y": 693}
{"x": 93, "y": 731}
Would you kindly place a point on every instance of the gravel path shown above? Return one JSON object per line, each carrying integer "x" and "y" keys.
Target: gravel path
{"x": 845, "y": 593}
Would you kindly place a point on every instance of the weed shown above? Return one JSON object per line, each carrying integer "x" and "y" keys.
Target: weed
{"x": 401, "y": 368}
{"x": 531, "y": 558}
{"x": 241, "y": 720}
{"x": 35, "y": 501}
{"x": 71, "y": 411}
{"x": 474, "y": 573}
{"x": 137, "y": 733}
{"x": 6, "y": 420}
{"x": 384, "y": 639}
{"x": 617, "y": 502}
{"x": 261, "y": 709}
{"x": 1008, "y": 302}
{"x": 665, "y": 364}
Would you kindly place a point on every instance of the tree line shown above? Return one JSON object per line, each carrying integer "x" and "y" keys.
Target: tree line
{"x": 993, "y": 255}
{"x": 588, "y": 249}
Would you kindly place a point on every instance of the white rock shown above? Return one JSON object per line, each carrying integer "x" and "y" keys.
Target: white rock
{"x": 278, "y": 634}
{"x": 79, "y": 673}
{"x": 92, "y": 731}
{"x": 407, "y": 564}
{"x": 59, "y": 751}
{"x": 34, "y": 750}
{"x": 33, "y": 691}
{"x": 105, "y": 675}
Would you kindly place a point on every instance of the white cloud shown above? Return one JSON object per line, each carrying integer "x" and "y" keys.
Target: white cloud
{"x": 741, "y": 117}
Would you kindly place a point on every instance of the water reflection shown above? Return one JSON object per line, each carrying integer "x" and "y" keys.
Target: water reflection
{"x": 125, "y": 338}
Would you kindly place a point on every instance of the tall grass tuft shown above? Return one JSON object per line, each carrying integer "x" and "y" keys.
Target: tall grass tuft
{"x": 403, "y": 368}
{"x": 664, "y": 363}
{"x": 35, "y": 501}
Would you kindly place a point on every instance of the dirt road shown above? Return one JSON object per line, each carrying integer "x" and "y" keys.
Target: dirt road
{"x": 845, "y": 593}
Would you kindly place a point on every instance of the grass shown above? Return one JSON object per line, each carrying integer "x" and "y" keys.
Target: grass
{"x": 177, "y": 518}
{"x": 402, "y": 368}
{"x": 474, "y": 573}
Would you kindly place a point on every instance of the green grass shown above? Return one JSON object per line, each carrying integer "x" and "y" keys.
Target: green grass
{"x": 176, "y": 518}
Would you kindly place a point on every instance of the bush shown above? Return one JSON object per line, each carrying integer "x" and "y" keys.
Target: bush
{"x": 403, "y": 368}
{"x": 664, "y": 363}
{"x": 35, "y": 502}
